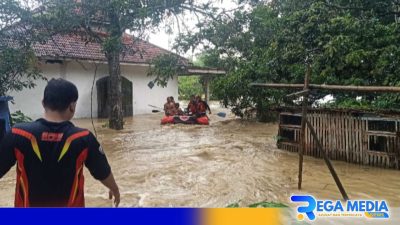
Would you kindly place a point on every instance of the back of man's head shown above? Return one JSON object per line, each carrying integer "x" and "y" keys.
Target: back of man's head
{"x": 59, "y": 94}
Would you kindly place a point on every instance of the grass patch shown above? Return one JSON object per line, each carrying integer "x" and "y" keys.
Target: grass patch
{"x": 263, "y": 204}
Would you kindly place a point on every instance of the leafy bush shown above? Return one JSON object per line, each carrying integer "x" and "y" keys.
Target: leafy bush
{"x": 188, "y": 86}
{"x": 19, "y": 117}
{"x": 263, "y": 204}
{"x": 267, "y": 205}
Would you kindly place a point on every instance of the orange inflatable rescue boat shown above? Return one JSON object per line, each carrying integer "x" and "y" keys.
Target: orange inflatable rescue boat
{"x": 185, "y": 120}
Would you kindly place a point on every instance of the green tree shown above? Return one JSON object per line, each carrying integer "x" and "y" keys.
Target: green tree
{"x": 188, "y": 86}
{"x": 343, "y": 42}
{"x": 18, "y": 64}
{"x": 165, "y": 67}
{"x": 195, "y": 85}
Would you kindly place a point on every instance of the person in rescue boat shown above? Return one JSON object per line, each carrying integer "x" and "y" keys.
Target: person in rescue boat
{"x": 179, "y": 111}
{"x": 202, "y": 107}
{"x": 167, "y": 107}
{"x": 192, "y": 106}
{"x": 172, "y": 107}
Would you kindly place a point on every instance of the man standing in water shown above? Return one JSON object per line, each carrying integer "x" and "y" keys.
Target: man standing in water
{"x": 50, "y": 154}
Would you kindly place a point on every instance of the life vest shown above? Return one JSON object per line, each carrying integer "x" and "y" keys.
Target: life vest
{"x": 192, "y": 108}
{"x": 201, "y": 107}
{"x": 170, "y": 109}
{"x": 166, "y": 109}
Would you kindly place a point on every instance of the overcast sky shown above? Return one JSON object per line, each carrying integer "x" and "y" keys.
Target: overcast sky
{"x": 164, "y": 40}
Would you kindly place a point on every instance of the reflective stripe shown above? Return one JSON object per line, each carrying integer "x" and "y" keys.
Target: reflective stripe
{"x": 76, "y": 184}
{"x": 77, "y": 199}
{"x": 22, "y": 181}
{"x": 70, "y": 140}
{"x": 32, "y": 139}
{"x": 25, "y": 192}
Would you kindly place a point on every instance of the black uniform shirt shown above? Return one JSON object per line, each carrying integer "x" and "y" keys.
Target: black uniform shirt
{"x": 50, "y": 158}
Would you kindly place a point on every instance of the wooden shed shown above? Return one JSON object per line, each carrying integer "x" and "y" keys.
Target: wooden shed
{"x": 352, "y": 136}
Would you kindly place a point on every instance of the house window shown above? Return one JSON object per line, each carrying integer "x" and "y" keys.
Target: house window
{"x": 291, "y": 120}
{"x": 377, "y": 125}
{"x": 382, "y": 136}
{"x": 287, "y": 135}
{"x": 378, "y": 143}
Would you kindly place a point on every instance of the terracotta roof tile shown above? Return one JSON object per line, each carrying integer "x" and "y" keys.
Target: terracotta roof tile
{"x": 73, "y": 46}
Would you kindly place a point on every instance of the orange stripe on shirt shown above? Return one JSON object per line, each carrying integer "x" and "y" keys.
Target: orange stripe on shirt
{"x": 22, "y": 181}
{"x": 70, "y": 140}
{"x": 76, "y": 200}
{"x": 32, "y": 139}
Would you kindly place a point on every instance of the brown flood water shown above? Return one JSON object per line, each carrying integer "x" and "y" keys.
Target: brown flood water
{"x": 213, "y": 166}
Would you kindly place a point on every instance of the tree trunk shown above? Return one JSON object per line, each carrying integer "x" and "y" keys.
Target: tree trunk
{"x": 114, "y": 91}
{"x": 113, "y": 48}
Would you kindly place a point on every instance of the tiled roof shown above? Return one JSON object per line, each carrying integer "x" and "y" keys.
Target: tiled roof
{"x": 75, "y": 47}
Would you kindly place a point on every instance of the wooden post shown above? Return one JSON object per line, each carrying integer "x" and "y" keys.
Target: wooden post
{"x": 327, "y": 161}
{"x": 300, "y": 93}
{"x": 303, "y": 125}
{"x": 207, "y": 83}
{"x": 341, "y": 143}
{"x": 340, "y": 88}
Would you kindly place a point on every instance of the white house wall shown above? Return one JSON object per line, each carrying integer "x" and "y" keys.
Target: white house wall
{"x": 143, "y": 96}
{"x": 29, "y": 101}
{"x": 81, "y": 74}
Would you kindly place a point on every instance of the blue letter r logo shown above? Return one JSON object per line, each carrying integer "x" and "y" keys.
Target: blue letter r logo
{"x": 308, "y": 210}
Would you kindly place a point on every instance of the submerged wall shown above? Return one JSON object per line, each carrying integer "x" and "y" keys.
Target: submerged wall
{"x": 352, "y": 137}
{"x": 81, "y": 74}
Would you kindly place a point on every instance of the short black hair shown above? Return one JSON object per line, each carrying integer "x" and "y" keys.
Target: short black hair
{"x": 59, "y": 94}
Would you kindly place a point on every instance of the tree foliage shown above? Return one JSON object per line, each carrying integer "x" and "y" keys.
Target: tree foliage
{"x": 19, "y": 117}
{"x": 344, "y": 42}
{"x": 188, "y": 86}
{"x": 18, "y": 70}
{"x": 18, "y": 63}
{"x": 165, "y": 67}
{"x": 195, "y": 85}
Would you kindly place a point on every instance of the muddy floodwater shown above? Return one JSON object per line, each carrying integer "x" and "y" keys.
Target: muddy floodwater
{"x": 212, "y": 166}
